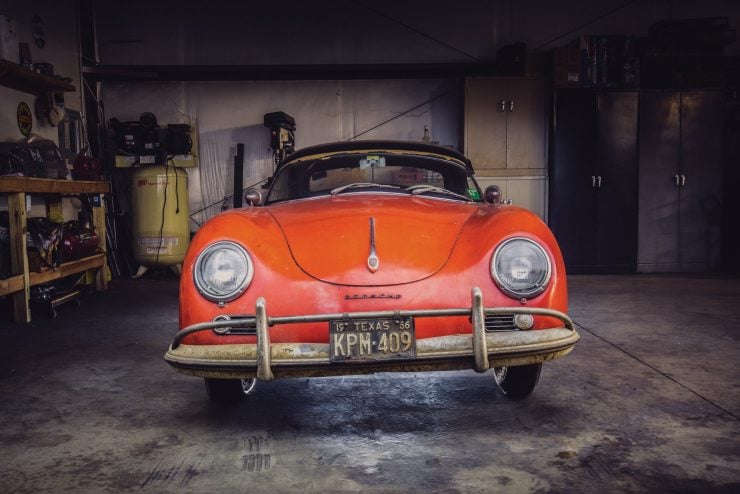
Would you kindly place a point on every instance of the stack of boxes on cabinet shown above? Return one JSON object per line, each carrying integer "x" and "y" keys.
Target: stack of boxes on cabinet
{"x": 598, "y": 61}
{"x": 639, "y": 191}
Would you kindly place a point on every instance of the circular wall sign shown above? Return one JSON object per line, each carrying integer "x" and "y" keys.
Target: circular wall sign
{"x": 25, "y": 118}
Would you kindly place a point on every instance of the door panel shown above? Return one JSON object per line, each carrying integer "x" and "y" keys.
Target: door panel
{"x": 658, "y": 194}
{"x": 485, "y": 123}
{"x": 526, "y": 124}
{"x": 616, "y": 164}
{"x": 700, "y": 213}
{"x": 572, "y": 197}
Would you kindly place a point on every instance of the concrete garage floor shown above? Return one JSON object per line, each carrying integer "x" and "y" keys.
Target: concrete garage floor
{"x": 648, "y": 402}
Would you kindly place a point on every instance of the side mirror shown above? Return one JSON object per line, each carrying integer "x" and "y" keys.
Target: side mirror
{"x": 493, "y": 194}
{"x": 253, "y": 197}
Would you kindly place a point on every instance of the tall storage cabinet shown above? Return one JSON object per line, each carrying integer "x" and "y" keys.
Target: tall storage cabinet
{"x": 506, "y": 136}
{"x": 593, "y": 181}
{"x": 680, "y": 207}
{"x": 505, "y": 123}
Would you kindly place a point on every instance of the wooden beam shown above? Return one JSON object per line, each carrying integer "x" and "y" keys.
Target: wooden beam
{"x": 101, "y": 277}
{"x": 50, "y": 186}
{"x": 18, "y": 254}
{"x": 11, "y": 285}
{"x": 275, "y": 72}
{"x": 68, "y": 268}
{"x": 18, "y": 77}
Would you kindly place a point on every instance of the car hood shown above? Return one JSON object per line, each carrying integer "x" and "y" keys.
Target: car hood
{"x": 329, "y": 238}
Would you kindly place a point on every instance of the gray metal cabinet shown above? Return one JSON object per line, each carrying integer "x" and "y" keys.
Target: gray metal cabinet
{"x": 593, "y": 182}
{"x": 505, "y": 124}
{"x": 680, "y": 177}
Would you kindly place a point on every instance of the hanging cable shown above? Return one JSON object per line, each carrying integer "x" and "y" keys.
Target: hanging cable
{"x": 588, "y": 23}
{"x": 164, "y": 205}
{"x": 402, "y": 114}
{"x": 419, "y": 32}
{"x": 223, "y": 201}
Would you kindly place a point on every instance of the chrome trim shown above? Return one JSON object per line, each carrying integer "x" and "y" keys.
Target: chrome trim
{"x": 452, "y": 352}
{"x": 273, "y": 321}
{"x": 502, "y": 286}
{"x": 264, "y": 363}
{"x": 471, "y": 202}
{"x": 240, "y": 290}
{"x": 248, "y": 385}
{"x": 478, "y": 346}
{"x": 373, "y": 263}
{"x": 365, "y": 296}
{"x": 224, "y": 330}
{"x": 523, "y": 321}
{"x": 480, "y": 349}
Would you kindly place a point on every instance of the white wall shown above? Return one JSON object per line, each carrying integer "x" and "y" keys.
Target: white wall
{"x": 60, "y": 20}
{"x": 223, "y": 32}
{"x": 228, "y": 113}
{"x": 61, "y": 50}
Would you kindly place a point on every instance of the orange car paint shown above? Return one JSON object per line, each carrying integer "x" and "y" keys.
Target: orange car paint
{"x": 432, "y": 252}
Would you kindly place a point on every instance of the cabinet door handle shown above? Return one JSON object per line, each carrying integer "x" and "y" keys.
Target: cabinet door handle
{"x": 598, "y": 182}
{"x": 511, "y": 105}
{"x": 593, "y": 181}
{"x": 676, "y": 180}
{"x": 502, "y": 105}
{"x": 683, "y": 180}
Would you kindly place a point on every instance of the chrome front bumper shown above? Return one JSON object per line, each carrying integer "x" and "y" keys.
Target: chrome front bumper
{"x": 266, "y": 360}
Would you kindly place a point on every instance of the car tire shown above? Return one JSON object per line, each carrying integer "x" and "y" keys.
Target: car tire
{"x": 517, "y": 382}
{"x": 228, "y": 391}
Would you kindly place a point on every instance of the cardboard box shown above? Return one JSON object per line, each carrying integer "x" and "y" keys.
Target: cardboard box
{"x": 8, "y": 39}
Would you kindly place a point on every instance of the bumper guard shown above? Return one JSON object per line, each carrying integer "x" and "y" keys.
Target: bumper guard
{"x": 561, "y": 342}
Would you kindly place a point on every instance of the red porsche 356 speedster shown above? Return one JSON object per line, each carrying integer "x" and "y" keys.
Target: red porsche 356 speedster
{"x": 367, "y": 257}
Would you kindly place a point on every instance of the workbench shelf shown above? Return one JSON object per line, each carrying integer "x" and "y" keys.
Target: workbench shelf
{"x": 18, "y": 77}
{"x": 19, "y": 284}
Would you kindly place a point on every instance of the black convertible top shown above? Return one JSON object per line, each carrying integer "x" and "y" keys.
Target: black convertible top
{"x": 389, "y": 145}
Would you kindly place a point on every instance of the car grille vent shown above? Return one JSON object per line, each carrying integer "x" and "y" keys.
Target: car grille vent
{"x": 500, "y": 323}
{"x": 252, "y": 329}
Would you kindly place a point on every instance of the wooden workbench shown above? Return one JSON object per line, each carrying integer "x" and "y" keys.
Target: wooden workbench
{"x": 20, "y": 283}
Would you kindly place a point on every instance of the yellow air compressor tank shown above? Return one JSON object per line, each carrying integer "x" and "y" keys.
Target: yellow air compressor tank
{"x": 161, "y": 216}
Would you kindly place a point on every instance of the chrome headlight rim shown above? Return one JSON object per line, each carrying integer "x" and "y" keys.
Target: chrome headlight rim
{"x": 528, "y": 294}
{"x": 201, "y": 286}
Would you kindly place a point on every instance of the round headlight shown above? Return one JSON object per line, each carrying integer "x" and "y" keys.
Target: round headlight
{"x": 223, "y": 271}
{"x": 520, "y": 268}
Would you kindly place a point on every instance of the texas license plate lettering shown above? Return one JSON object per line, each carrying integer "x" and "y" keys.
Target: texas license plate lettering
{"x": 372, "y": 339}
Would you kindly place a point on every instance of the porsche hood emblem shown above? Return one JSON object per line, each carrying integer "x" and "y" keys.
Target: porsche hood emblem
{"x": 372, "y": 260}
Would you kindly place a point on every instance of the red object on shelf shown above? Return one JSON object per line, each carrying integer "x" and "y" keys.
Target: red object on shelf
{"x": 86, "y": 168}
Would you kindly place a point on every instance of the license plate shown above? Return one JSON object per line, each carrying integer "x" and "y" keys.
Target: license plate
{"x": 372, "y": 339}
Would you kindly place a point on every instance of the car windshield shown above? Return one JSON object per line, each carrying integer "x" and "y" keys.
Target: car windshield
{"x": 375, "y": 172}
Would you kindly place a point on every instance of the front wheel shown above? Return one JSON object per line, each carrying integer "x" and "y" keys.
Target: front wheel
{"x": 517, "y": 382}
{"x": 228, "y": 391}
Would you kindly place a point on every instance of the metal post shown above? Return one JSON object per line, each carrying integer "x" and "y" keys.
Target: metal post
{"x": 238, "y": 175}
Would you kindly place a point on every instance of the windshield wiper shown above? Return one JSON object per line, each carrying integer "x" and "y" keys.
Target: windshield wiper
{"x": 355, "y": 185}
{"x": 424, "y": 188}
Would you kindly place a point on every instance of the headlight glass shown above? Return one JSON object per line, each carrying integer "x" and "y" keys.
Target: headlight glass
{"x": 520, "y": 268}
{"x": 223, "y": 271}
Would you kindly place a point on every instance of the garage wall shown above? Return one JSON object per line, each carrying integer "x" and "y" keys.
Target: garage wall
{"x": 228, "y": 113}
{"x": 61, "y": 50}
{"x": 221, "y": 32}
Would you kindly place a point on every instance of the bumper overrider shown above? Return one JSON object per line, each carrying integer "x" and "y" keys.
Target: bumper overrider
{"x": 267, "y": 361}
